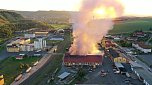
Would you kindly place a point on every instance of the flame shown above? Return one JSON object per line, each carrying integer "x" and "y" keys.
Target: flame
{"x": 94, "y": 49}
{"x": 104, "y": 12}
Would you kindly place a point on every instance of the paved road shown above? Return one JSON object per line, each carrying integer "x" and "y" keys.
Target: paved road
{"x": 146, "y": 74}
{"x": 110, "y": 79}
{"x": 42, "y": 62}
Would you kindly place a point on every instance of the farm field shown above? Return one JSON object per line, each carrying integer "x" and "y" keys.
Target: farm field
{"x": 131, "y": 25}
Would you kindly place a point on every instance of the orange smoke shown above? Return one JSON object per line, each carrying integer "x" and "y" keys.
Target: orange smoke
{"x": 93, "y": 21}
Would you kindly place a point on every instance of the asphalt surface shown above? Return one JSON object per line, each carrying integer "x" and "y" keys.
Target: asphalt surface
{"x": 143, "y": 72}
{"x": 110, "y": 78}
{"x": 146, "y": 58}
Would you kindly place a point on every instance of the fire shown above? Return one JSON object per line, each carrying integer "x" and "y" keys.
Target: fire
{"x": 104, "y": 12}
{"x": 93, "y": 21}
{"x": 94, "y": 49}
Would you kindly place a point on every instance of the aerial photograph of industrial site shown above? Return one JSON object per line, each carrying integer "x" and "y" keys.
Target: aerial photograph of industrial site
{"x": 75, "y": 42}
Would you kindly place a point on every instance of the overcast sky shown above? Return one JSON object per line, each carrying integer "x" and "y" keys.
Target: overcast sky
{"x": 132, "y": 7}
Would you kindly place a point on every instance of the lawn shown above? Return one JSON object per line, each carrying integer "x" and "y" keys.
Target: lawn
{"x": 10, "y": 67}
{"x": 132, "y": 25}
{"x": 60, "y": 26}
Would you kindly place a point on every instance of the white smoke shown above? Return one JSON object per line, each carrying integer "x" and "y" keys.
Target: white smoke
{"x": 88, "y": 29}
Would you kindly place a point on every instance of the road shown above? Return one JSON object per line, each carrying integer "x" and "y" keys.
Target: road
{"x": 144, "y": 72}
{"x": 110, "y": 79}
{"x": 41, "y": 63}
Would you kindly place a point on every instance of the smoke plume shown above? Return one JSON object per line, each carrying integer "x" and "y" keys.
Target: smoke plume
{"x": 93, "y": 21}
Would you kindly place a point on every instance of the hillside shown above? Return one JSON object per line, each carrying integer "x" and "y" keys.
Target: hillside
{"x": 47, "y": 16}
{"x": 11, "y": 22}
{"x": 123, "y": 24}
{"x": 7, "y": 17}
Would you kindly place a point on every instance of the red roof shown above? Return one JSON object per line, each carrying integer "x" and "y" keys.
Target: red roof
{"x": 109, "y": 43}
{"x": 19, "y": 57}
{"x": 83, "y": 58}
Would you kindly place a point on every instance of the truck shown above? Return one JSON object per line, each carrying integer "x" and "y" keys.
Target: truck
{"x": 28, "y": 70}
{"x": 37, "y": 54}
{"x": 21, "y": 54}
{"x": 35, "y": 63}
{"x": 18, "y": 77}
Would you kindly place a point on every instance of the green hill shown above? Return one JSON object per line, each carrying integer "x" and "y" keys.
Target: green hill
{"x": 8, "y": 17}
{"x": 11, "y": 22}
{"x": 132, "y": 24}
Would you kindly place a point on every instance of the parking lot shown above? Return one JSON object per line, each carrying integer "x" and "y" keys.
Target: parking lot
{"x": 111, "y": 78}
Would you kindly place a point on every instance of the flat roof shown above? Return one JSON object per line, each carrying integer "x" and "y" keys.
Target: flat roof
{"x": 64, "y": 75}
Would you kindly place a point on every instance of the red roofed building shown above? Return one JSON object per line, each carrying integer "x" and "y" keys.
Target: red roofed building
{"x": 19, "y": 57}
{"x": 92, "y": 60}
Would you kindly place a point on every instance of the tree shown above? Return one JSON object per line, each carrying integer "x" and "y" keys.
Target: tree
{"x": 81, "y": 73}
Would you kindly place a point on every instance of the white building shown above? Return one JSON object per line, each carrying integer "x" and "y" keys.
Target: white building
{"x": 28, "y": 47}
{"x": 142, "y": 47}
{"x": 40, "y": 44}
{"x": 29, "y": 35}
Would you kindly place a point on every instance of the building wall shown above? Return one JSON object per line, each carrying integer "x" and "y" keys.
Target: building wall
{"x": 85, "y": 63}
{"x": 13, "y": 49}
{"x": 40, "y": 44}
{"x": 120, "y": 60}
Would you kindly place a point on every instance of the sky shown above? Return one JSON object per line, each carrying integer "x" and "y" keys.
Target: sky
{"x": 132, "y": 7}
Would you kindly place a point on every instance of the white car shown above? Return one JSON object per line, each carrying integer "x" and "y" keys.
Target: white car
{"x": 116, "y": 72}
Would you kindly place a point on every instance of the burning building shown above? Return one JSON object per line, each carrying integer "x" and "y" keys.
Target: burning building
{"x": 91, "y": 60}
{"x": 94, "y": 20}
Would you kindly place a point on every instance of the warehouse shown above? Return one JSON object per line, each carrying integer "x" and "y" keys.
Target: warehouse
{"x": 91, "y": 60}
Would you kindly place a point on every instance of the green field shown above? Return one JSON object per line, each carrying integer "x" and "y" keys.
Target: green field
{"x": 131, "y": 25}
{"x": 10, "y": 67}
{"x": 60, "y": 26}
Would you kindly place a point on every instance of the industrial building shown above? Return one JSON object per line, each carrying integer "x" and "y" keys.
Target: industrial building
{"x": 41, "y": 33}
{"x": 1, "y": 79}
{"x": 91, "y": 60}
{"x": 39, "y": 44}
{"x": 21, "y": 44}
{"x": 29, "y": 35}
{"x": 12, "y": 48}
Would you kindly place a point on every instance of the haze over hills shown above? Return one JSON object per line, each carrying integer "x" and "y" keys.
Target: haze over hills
{"x": 47, "y": 16}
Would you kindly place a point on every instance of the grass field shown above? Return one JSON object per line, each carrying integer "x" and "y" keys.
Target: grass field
{"x": 10, "y": 67}
{"x": 132, "y": 25}
{"x": 60, "y": 26}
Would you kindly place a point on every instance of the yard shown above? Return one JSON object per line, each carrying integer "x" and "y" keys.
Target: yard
{"x": 10, "y": 67}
